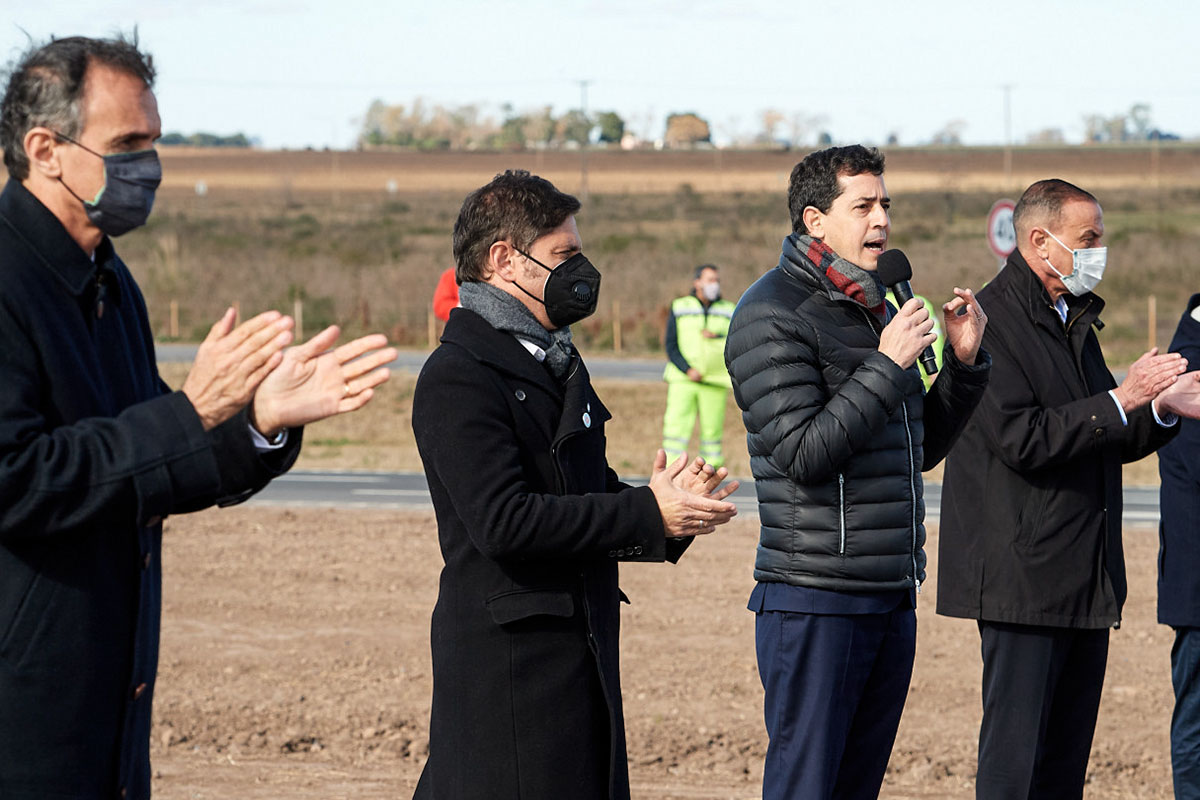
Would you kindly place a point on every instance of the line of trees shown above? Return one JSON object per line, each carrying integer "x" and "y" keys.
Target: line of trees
{"x": 425, "y": 126}
{"x": 202, "y": 139}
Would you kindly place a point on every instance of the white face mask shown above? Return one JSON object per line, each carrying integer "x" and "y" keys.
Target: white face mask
{"x": 711, "y": 291}
{"x": 1087, "y": 268}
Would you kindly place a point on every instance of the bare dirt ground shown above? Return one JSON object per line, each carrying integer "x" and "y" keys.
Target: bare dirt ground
{"x": 295, "y": 663}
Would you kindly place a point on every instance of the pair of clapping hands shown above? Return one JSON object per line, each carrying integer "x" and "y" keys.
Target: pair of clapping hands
{"x": 1161, "y": 379}
{"x": 690, "y": 496}
{"x": 285, "y": 387}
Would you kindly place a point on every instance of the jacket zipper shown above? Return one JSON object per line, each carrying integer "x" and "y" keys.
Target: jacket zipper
{"x": 842, "y": 511}
{"x": 912, "y": 488}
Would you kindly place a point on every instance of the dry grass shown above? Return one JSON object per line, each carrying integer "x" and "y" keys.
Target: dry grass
{"x": 320, "y": 226}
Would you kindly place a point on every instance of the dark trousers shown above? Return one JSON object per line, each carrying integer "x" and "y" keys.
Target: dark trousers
{"x": 1041, "y": 694}
{"x": 1185, "y": 719}
{"x": 835, "y": 686}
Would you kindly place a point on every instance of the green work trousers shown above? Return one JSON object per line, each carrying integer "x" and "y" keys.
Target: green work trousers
{"x": 686, "y": 400}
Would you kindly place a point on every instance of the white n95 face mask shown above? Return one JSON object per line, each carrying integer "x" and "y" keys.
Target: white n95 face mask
{"x": 1087, "y": 267}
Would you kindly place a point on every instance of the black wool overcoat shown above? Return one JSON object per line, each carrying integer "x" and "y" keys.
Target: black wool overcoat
{"x": 1179, "y": 500}
{"x": 531, "y": 523}
{"x": 1031, "y": 504}
{"x": 94, "y": 452}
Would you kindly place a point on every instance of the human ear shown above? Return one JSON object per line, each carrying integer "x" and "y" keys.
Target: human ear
{"x": 501, "y": 260}
{"x": 813, "y": 222}
{"x": 41, "y": 147}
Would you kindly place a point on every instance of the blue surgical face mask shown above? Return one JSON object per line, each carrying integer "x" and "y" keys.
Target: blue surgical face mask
{"x": 124, "y": 201}
{"x": 1087, "y": 267}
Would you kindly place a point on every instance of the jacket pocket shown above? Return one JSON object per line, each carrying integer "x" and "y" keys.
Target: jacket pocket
{"x": 841, "y": 514}
{"x": 1029, "y": 520}
{"x": 509, "y": 607}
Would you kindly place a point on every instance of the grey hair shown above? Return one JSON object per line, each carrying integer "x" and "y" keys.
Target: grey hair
{"x": 46, "y": 84}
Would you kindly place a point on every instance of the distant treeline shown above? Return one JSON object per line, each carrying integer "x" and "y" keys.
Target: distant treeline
{"x": 203, "y": 139}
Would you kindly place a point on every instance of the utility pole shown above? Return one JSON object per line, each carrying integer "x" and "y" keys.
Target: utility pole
{"x": 1008, "y": 134}
{"x": 583, "y": 147}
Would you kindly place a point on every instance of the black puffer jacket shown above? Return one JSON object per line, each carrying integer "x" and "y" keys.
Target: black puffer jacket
{"x": 838, "y": 433}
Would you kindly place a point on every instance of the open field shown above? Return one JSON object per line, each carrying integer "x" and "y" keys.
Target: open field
{"x": 295, "y": 663}
{"x": 322, "y": 227}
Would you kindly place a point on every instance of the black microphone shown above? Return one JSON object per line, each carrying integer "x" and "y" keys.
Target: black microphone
{"x": 895, "y": 272}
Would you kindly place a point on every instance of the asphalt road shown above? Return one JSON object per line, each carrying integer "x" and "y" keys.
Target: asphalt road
{"x": 408, "y": 490}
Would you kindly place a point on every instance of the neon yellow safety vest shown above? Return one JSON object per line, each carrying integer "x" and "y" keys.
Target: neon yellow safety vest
{"x": 704, "y": 354}
{"x": 937, "y": 328}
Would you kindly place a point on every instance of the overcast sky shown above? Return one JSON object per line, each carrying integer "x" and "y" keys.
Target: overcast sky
{"x": 297, "y": 73}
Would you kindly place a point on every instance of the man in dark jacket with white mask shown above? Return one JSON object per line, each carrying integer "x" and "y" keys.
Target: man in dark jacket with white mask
{"x": 1030, "y": 541}
{"x": 532, "y": 522}
{"x": 95, "y": 451}
{"x": 839, "y": 429}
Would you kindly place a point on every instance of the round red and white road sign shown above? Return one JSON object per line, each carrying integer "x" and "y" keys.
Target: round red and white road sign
{"x": 1001, "y": 235}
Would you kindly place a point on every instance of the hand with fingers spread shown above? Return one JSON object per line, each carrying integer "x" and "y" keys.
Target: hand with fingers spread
{"x": 233, "y": 361}
{"x": 684, "y": 512}
{"x": 701, "y": 478}
{"x": 1182, "y": 397}
{"x": 965, "y": 322}
{"x": 313, "y": 382}
{"x": 1147, "y": 377}
{"x": 907, "y": 334}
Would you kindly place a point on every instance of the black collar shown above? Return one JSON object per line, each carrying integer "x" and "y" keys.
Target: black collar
{"x": 1036, "y": 299}
{"x": 496, "y": 348}
{"x": 48, "y": 240}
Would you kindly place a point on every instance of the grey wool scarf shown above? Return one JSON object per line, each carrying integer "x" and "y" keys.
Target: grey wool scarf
{"x": 506, "y": 313}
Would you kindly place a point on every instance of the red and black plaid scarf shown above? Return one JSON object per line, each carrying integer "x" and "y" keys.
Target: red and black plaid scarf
{"x": 823, "y": 256}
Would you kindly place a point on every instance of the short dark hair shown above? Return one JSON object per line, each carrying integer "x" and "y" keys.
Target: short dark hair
{"x": 1043, "y": 202}
{"x": 46, "y": 84}
{"x": 814, "y": 180}
{"x": 516, "y": 206}
{"x": 700, "y": 270}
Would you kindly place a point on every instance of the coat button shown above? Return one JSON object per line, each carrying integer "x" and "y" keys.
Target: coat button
{"x": 612, "y": 553}
{"x": 139, "y": 691}
{"x": 637, "y": 551}
{"x": 520, "y": 394}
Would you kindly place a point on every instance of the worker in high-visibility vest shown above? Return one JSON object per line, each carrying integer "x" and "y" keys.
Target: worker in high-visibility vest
{"x": 937, "y": 329}
{"x": 697, "y": 381}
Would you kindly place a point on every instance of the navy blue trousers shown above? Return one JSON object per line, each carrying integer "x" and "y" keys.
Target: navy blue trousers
{"x": 1185, "y": 719}
{"x": 1041, "y": 695}
{"x": 835, "y": 686}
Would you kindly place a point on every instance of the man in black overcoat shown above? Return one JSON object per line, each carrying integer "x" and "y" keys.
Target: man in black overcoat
{"x": 532, "y": 522}
{"x": 95, "y": 450}
{"x": 1030, "y": 543}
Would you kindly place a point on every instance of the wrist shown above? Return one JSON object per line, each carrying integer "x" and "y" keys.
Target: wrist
{"x": 263, "y": 423}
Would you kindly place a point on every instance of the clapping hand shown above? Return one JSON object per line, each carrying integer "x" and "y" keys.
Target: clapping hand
{"x": 313, "y": 382}
{"x": 1182, "y": 397}
{"x": 686, "y": 511}
{"x": 702, "y": 479}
